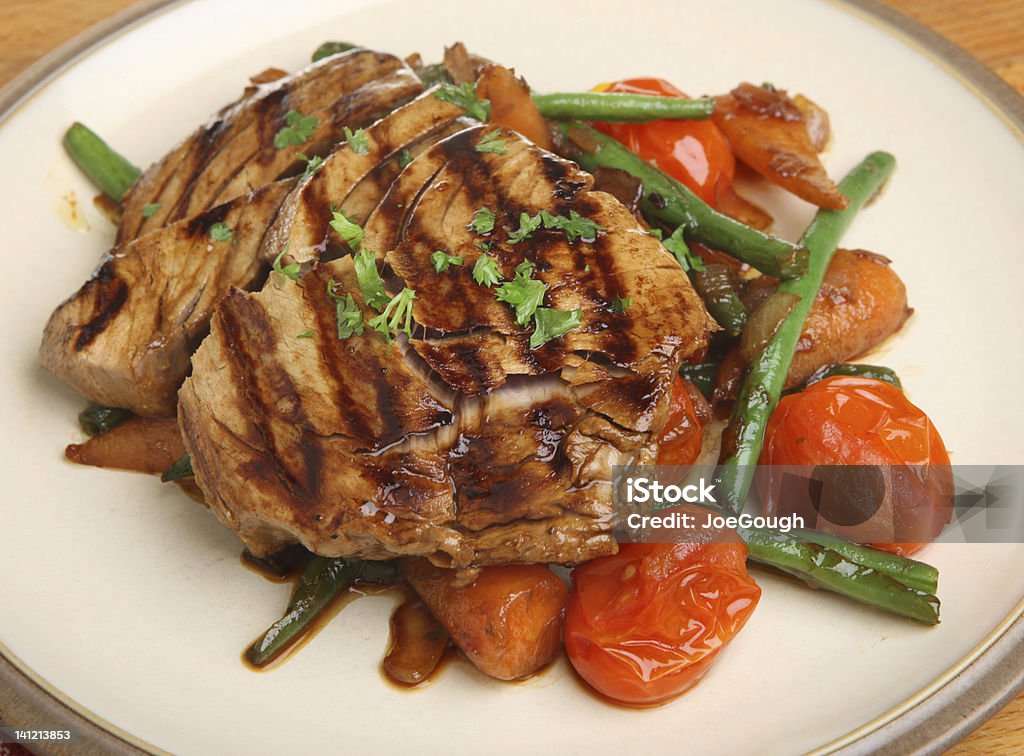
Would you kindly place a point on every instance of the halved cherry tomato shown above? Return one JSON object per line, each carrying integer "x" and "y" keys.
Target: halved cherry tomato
{"x": 900, "y": 504}
{"x": 694, "y": 152}
{"x": 645, "y": 625}
{"x": 683, "y": 434}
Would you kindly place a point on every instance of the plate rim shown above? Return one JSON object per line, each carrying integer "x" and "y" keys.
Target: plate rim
{"x": 930, "y": 721}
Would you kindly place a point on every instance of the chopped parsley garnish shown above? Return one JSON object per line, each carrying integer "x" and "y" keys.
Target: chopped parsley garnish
{"x": 370, "y": 282}
{"x": 288, "y": 271}
{"x": 523, "y": 292}
{"x": 485, "y": 271}
{"x": 221, "y": 232}
{"x": 350, "y": 319}
{"x": 307, "y": 334}
{"x": 484, "y": 246}
{"x": 148, "y": 211}
{"x": 586, "y": 268}
{"x": 527, "y": 226}
{"x": 299, "y": 129}
{"x": 442, "y": 261}
{"x": 577, "y": 227}
{"x": 550, "y": 324}
{"x": 357, "y": 140}
{"x": 677, "y": 246}
{"x": 396, "y": 316}
{"x": 312, "y": 165}
{"x": 404, "y": 157}
{"x": 492, "y": 142}
{"x": 464, "y": 96}
{"x": 483, "y": 221}
{"x": 621, "y": 305}
{"x": 350, "y": 232}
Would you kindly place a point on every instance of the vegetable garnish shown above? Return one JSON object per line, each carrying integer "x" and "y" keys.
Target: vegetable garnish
{"x": 312, "y": 165}
{"x": 328, "y": 49}
{"x": 527, "y": 226}
{"x": 350, "y": 232}
{"x": 763, "y": 382}
{"x": 551, "y": 324}
{"x": 288, "y": 271}
{"x": 299, "y": 129}
{"x": 485, "y": 271}
{"x": 523, "y": 292}
{"x": 483, "y": 221}
{"x": 492, "y": 142}
{"x": 669, "y": 201}
{"x": 627, "y": 108}
{"x": 113, "y": 173}
{"x": 96, "y": 419}
{"x": 464, "y": 96}
{"x": 442, "y": 260}
{"x": 404, "y": 157}
{"x": 621, "y": 305}
{"x": 357, "y": 140}
{"x": 396, "y": 316}
{"x": 350, "y": 319}
{"x": 370, "y": 282}
{"x": 575, "y": 226}
{"x": 681, "y": 251}
{"x": 221, "y": 232}
{"x": 150, "y": 209}
{"x": 307, "y": 334}
{"x": 180, "y": 469}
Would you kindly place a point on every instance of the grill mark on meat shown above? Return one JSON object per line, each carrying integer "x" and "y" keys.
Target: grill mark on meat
{"x": 316, "y": 301}
{"x": 234, "y": 152}
{"x": 201, "y": 224}
{"x": 110, "y": 292}
{"x": 280, "y": 399}
{"x": 520, "y": 472}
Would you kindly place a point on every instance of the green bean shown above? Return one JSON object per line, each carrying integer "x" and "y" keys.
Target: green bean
{"x": 766, "y": 375}
{"x": 434, "y": 73}
{"x": 319, "y": 584}
{"x": 668, "y": 201}
{"x": 111, "y": 172}
{"x": 328, "y": 49}
{"x": 858, "y": 370}
{"x": 322, "y": 581}
{"x": 180, "y": 469}
{"x": 910, "y": 572}
{"x": 96, "y": 419}
{"x": 828, "y": 568}
{"x": 628, "y": 108}
{"x": 702, "y": 375}
{"x": 717, "y": 287}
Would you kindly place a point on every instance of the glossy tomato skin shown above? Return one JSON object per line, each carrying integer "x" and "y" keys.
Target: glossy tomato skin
{"x": 683, "y": 435}
{"x": 853, "y": 421}
{"x": 645, "y": 625}
{"x": 694, "y": 152}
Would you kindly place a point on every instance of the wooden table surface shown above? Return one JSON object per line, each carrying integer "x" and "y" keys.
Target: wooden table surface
{"x": 991, "y": 30}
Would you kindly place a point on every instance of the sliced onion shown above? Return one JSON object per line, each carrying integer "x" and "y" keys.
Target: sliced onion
{"x": 764, "y": 322}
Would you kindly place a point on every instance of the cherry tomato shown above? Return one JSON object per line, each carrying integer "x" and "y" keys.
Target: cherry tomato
{"x": 899, "y": 503}
{"x": 683, "y": 434}
{"x": 694, "y": 152}
{"x": 645, "y": 625}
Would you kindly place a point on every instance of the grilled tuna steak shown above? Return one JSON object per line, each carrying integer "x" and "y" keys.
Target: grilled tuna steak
{"x": 462, "y": 444}
{"x": 125, "y": 338}
{"x": 235, "y": 151}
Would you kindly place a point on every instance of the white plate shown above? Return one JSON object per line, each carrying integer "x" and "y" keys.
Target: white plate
{"x": 129, "y": 599}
